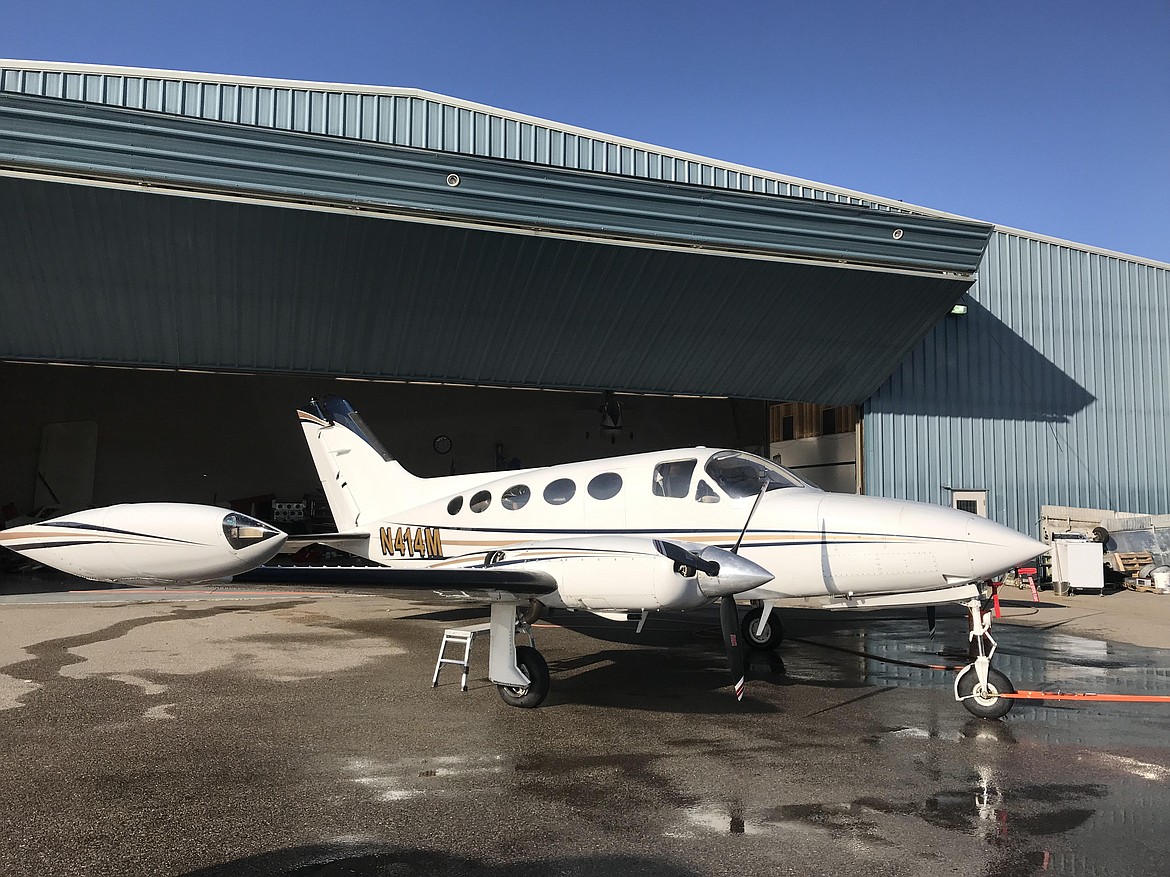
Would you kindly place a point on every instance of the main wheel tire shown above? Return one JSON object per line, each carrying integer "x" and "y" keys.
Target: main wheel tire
{"x": 986, "y": 704}
{"x": 535, "y": 668}
{"x": 772, "y": 635}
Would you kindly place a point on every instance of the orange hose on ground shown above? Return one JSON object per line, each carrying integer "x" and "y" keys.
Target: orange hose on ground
{"x": 1112, "y": 698}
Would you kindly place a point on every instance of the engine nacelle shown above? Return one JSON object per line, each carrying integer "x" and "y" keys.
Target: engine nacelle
{"x": 625, "y": 573}
{"x": 624, "y": 582}
{"x": 148, "y": 543}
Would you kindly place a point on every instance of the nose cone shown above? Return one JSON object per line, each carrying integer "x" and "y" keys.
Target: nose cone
{"x": 995, "y": 548}
{"x": 736, "y": 573}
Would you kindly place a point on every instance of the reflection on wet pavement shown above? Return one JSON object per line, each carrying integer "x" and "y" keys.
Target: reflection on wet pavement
{"x": 1054, "y": 788}
{"x": 407, "y": 778}
{"x": 1061, "y": 827}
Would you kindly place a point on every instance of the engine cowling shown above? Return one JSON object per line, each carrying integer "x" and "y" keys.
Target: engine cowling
{"x": 608, "y": 573}
{"x": 148, "y": 543}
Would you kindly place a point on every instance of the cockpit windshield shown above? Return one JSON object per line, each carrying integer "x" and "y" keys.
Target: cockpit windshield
{"x": 742, "y": 474}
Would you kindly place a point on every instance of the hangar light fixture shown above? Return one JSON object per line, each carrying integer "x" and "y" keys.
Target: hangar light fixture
{"x": 958, "y": 310}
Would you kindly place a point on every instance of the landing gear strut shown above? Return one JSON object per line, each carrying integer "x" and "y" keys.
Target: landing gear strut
{"x": 519, "y": 672}
{"x": 979, "y": 687}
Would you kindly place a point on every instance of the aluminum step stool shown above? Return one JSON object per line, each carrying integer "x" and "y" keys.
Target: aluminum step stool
{"x": 464, "y": 636}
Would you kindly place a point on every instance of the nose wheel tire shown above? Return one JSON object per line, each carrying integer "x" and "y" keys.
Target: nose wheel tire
{"x": 771, "y": 636}
{"x": 535, "y": 668}
{"x": 986, "y": 703}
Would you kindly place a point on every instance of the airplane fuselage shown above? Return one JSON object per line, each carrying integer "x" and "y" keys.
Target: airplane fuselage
{"x": 815, "y": 543}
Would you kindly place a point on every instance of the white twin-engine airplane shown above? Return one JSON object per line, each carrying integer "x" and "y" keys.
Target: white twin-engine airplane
{"x": 619, "y": 537}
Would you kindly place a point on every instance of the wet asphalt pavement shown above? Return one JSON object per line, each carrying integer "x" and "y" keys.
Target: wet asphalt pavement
{"x": 292, "y": 734}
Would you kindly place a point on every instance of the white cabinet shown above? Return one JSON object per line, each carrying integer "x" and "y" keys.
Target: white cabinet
{"x": 1079, "y": 564}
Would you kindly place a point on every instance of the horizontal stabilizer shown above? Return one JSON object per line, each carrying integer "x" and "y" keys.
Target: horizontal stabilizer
{"x": 335, "y": 540}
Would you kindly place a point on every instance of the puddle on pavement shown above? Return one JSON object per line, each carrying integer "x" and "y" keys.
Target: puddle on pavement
{"x": 712, "y": 818}
{"x": 982, "y": 811}
{"x": 406, "y": 778}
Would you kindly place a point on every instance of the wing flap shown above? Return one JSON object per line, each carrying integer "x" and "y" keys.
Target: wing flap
{"x": 516, "y": 581}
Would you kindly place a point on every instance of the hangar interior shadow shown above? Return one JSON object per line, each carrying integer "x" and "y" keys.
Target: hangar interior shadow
{"x": 213, "y": 438}
{"x": 977, "y": 366}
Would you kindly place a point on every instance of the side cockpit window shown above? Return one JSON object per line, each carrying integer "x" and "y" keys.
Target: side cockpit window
{"x": 673, "y": 479}
{"x": 705, "y": 493}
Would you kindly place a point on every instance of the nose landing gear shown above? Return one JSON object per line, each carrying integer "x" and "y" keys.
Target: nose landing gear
{"x": 762, "y": 629}
{"x": 978, "y": 686}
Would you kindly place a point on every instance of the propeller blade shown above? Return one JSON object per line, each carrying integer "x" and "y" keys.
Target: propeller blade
{"x": 729, "y": 621}
{"x": 684, "y": 557}
{"x": 930, "y": 620}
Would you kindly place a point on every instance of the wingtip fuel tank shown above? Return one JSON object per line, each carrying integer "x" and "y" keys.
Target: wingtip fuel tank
{"x": 148, "y": 543}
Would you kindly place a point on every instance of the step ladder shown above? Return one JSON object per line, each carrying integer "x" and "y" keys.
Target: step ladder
{"x": 459, "y": 636}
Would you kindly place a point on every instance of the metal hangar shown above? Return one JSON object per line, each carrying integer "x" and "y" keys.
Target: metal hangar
{"x": 206, "y": 251}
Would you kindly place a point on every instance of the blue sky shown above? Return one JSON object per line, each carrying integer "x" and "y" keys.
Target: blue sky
{"x": 1048, "y": 116}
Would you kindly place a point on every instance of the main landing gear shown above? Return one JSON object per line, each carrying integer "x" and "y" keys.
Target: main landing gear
{"x": 978, "y": 686}
{"x": 519, "y": 672}
{"x": 762, "y": 629}
{"x": 532, "y": 664}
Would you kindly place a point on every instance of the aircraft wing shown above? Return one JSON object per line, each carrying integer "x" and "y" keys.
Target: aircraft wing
{"x": 594, "y": 568}
{"x": 451, "y": 583}
{"x": 181, "y": 543}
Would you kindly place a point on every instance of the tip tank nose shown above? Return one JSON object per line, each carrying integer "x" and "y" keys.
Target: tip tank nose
{"x": 736, "y": 573}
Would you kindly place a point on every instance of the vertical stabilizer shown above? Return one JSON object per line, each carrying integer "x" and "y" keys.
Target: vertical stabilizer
{"x": 362, "y": 481}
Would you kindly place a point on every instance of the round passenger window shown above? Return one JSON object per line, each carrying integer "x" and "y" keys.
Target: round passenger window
{"x": 560, "y": 491}
{"x": 455, "y": 505}
{"x": 480, "y": 501}
{"x": 515, "y": 497}
{"x": 605, "y": 486}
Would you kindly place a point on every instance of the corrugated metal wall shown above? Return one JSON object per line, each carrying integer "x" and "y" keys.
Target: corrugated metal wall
{"x": 1052, "y": 389}
{"x": 400, "y": 117}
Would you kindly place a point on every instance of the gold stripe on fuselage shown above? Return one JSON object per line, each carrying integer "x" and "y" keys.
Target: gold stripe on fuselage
{"x": 699, "y": 538}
